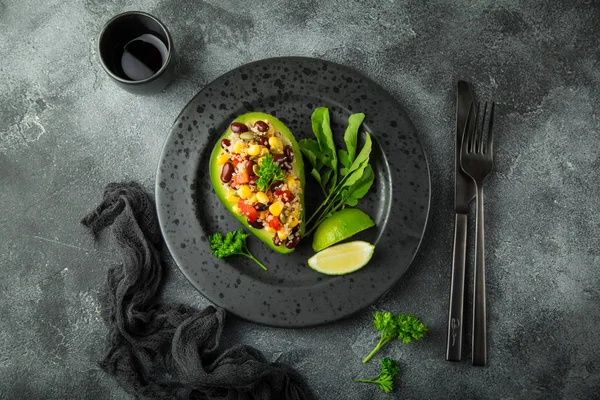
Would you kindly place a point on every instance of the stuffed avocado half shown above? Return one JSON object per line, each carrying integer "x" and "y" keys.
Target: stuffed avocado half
{"x": 257, "y": 172}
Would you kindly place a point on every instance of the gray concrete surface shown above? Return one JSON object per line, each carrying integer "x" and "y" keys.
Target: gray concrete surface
{"x": 66, "y": 130}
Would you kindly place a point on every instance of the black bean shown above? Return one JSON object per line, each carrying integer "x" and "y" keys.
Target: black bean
{"x": 276, "y": 240}
{"x": 286, "y": 166}
{"x": 279, "y": 158}
{"x": 276, "y": 185}
{"x": 295, "y": 229}
{"x": 263, "y": 141}
{"x": 255, "y": 224}
{"x": 290, "y": 244}
{"x": 227, "y": 172}
{"x": 225, "y": 143}
{"x": 261, "y": 126}
{"x": 260, "y": 207}
{"x": 289, "y": 153}
{"x": 238, "y": 127}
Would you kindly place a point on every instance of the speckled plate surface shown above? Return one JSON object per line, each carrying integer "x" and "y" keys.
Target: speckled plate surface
{"x": 290, "y": 294}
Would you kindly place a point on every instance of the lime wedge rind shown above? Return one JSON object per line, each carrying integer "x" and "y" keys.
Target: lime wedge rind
{"x": 340, "y": 226}
{"x": 343, "y": 258}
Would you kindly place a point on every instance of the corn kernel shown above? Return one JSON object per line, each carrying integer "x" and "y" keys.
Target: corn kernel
{"x": 262, "y": 197}
{"x": 276, "y": 145}
{"x": 231, "y": 197}
{"x": 276, "y": 208}
{"x": 222, "y": 158}
{"x": 269, "y": 229}
{"x": 254, "y": 150}
{"x": 281, "y": 234}
{"x": 292, "y": 183}
{"x": 238, "y": 147}
{"x": 262, "y": 215}
{"x": 271, "y": 130}
{"x": 244, "y": 192}
{"x": 252, "y": 199}
{"x": 292, "y": 221}
{"x": 236, "y": 210}
{"x": 264, "y": 151}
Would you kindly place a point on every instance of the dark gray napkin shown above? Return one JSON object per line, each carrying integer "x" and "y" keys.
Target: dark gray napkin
{"x": 165, "y": 351}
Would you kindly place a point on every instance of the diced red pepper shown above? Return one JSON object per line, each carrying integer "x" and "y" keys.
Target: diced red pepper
{"x": 285, "y": 195}
{"x": 248, "y": 210}
{"x": 241, "y": 178}
{"x": 275, "y": 223}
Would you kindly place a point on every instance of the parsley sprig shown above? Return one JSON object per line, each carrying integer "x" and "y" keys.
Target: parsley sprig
{"x": 405, "y": 327}
{"x": 233, "y": 243}
{"x": 385, "y": 379}
{"x": 268, "y": 173}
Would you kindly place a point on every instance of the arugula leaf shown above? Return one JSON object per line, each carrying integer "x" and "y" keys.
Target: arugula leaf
{"x": 345, "y": 161}
{"x": 344, "y": 158}
{"x": 360, "y": 188}
{"x": 324, "y": 158}
{"x": 351, "y": 134}
{"x": 268, "y": 173}
{"x": 233, "y": 243}
{"x": 363, "y": 156}
{"x": 325, "y": 178}
{"x": 322, "y": 130}
{"x": 310, "y": 148}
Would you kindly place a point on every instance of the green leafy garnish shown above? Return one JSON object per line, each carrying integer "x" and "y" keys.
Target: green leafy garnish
{"x": 410, "y": 328}
{"x": 268, "y": 173}
{"x": 385, "y": 379}
{"x": 355, "y": 175}
{"x": 233, "y": 243}
{"x": 351, "y": 140}
{"x": 405, "y": 327}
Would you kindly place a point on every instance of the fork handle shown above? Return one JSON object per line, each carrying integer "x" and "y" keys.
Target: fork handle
{"x": 457, "y": 290}
{"x": 479, "y": 350}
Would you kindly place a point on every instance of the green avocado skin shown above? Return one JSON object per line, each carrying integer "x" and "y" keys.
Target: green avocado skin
{"x": 297, "y": 169}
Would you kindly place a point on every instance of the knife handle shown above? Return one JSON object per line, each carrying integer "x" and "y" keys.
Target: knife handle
{"x": 457, "y": 290}
{"x": 479, "y": 354}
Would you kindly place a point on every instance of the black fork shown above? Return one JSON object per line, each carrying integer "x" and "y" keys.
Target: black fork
{"x": 477, "y": 161}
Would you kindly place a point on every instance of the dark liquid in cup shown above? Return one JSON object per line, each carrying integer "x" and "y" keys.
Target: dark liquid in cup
{"x": 141, "y": 57}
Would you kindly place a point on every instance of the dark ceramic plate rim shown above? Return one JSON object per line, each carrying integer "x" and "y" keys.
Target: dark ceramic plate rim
{"x": 161, "y": 199}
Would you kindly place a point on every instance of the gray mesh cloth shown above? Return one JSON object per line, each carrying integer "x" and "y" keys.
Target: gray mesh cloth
{"x": 167, "y": 351}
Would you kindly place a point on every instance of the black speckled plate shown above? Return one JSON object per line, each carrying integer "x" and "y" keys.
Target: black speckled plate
{"x": 290, "y": 294}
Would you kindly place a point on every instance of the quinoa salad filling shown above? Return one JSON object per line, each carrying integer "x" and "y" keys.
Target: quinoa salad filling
{"x": 276, "y": 208}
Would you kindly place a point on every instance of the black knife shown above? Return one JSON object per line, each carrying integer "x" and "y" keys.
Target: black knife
{"x": 464, "y": 192}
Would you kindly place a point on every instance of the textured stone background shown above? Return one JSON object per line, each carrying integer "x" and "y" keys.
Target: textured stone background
{"x": 66, "y": 130}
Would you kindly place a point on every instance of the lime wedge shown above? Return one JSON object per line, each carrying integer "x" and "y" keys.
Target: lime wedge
{"x": 340, "y": 226}
{"x": 343, "y": 258}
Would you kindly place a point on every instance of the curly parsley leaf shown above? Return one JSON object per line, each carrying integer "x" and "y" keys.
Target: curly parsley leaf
{"x": 410, "y": 328}
{"x": 385, "y": 379}
{"x": 234, "y": 243}
{"x": 404, "y": 327}
{"x": 268, "y": 173}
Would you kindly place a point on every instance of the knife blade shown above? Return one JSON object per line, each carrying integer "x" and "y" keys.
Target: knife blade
{"x": 464, "y": 192}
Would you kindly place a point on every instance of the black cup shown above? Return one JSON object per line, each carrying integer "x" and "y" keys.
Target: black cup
{"x": 147, "y": 38}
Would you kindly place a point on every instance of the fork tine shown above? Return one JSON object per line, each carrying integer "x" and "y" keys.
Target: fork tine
{"x": 467, "y": 131}
{"x": 490, "y": 140}
{"x": 474, "y": 129}
{"x": 479, "y": 148}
